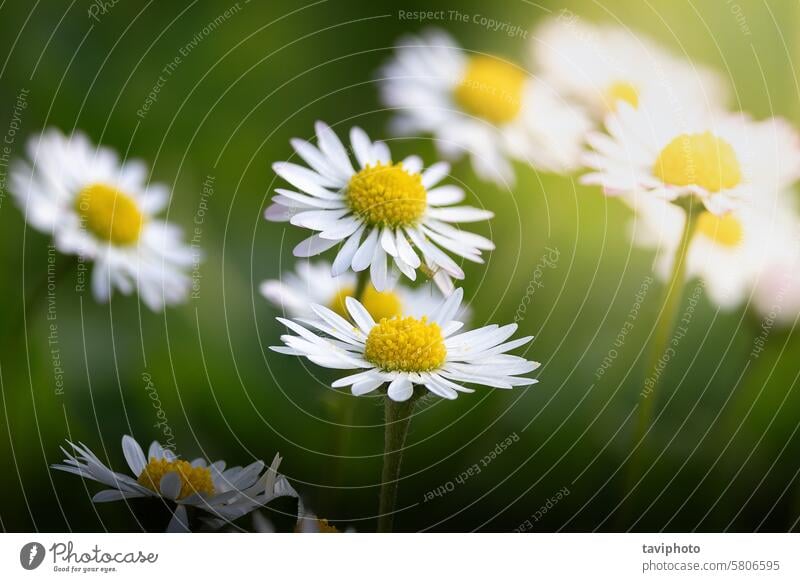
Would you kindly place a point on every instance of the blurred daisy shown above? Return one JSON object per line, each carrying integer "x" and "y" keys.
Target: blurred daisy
{"x": 226, "y": 494}
{"x": 312, "y": 283}
{"x": 104, "y": 211}
{"x": 407, "y": 351}
{"x": 722, "y": 160}
{"x": 306, "y": 523}
{"x": 601, "y": 66}
{"x": 379, "y": 209}
{"x": 730, "y": 253}
{"x": 481, "y": 105}
{"x": 776, "y": 295}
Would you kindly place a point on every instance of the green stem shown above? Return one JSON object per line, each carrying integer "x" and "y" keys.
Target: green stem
{"x": 664, "y": 326}
{"x": 674, "y": 292}
{"x": 398, "y": 419}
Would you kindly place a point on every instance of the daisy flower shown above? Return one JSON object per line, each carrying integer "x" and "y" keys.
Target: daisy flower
{"x": 481, "y": 105}
{"x": 730, "y": 253}
{"x": 601, "y": 66}
{"x": 312, "y": 283}
{"x": 776, "y": 295}
{"x": 225, "y": 494}
{"x": 104, "y": 211}
{"x": 404, "y": 351}
{"x": 723, "y": 160}
{"x": 379, "y": 209}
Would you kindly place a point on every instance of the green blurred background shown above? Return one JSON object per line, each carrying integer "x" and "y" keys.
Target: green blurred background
{"x": 722, "y": 455}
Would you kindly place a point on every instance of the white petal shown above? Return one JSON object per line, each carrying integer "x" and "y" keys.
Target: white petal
{"x": 133, "y": 455}
{"x": 366, "y": 386}
{"x": 170, "y": 485}
{"x": 179, "y": 522}
{"x": 366, "y": 251}
{"x": 434, "y": 174}
{"x": 313, "y": 245}
{"x": 362, "y": 147}
{"x": 400, "y": 389}
{"x": 331, "y": 146}
{"x": 344, "y": 258}
{"x": 460, "y": 214}
{"x": 360, "y": 315}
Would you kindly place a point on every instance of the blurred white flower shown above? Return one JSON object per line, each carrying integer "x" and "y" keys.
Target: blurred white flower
{"x": 600, "y": 66}
{"x": 482, "y": 106}
{"x": 408, "y": 351}
{"x": 225, "y": 494}
{"x": 733, "y": 254}
{"x": 723, "y": 160}
{"x": 104, "y": 211}
{"x": 312, "y": 283}
{"x": 381, "y": 209}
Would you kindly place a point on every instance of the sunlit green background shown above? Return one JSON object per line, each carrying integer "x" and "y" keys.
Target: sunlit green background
{"x": 723, "y": 454}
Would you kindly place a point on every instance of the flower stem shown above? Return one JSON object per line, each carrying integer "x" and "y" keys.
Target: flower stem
{"x": 672, "y": 301}
{"x": 398, "y": 419}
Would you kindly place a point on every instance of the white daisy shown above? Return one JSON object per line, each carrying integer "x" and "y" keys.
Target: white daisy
{"x": 481, "y": 105}
{"x": 377, "y": 209}
{"x": 600, "y": 66}
{"x": 730, "y": 253}
{"x": 104, "y": 211}
{"x": 723, "y": 160}
{"x": 312, "y": 283}
{"x": 776, "y": 295}
{"x": 408, "y": 351}
{"x": 226, "y": 494}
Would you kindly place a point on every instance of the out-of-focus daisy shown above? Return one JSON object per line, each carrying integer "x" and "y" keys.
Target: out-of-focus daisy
{"x": 730, "y": 253}
{"x": 225, "y": 494}
{"x": 776, "y": 295}
{"x": 312, "y": 283}
{"x": 104, "y": 211}
{"x": 306, "y": 523}
{"x": 723, "y": 160}
{"x": 480, "y": 105}
{"x": 601, "y": 66}
{"x": 379, "y": 209}
{"x": 407, "y": 351}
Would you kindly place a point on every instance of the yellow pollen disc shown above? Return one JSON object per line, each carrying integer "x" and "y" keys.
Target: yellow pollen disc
{"x": 406, "y": 344}
{"x": 387, "y": 195}
{"x": 491, "y": 88}
{"x": 322, "y": 524}
{"x": 701, "y": 159}
{"x": 622, "y": 91}
{"x": 193, "y": 479}
{"x": 381, "y": 304}
{"x": 725, "y": 230}
{"x": 325, "y": 527}
{"x": 337, "y": 304}
{"x": 109, "y": 214}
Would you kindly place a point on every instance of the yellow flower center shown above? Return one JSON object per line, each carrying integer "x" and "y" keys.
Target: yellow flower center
{"x": 406, "y": 344}
{"x": 622, "y": 91}
{"x": 379, "y": 304}
{"x": 701, "y": 159}
{"x": 322, "y": 525}
{"x": 491, "y": 89}
{"x": 193, "y": 479}
{"x": 725, "y": 230}
{"x": 109, "y": 214}
{"x": 387, "y": 195}
{"x": 337, "y": 304}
